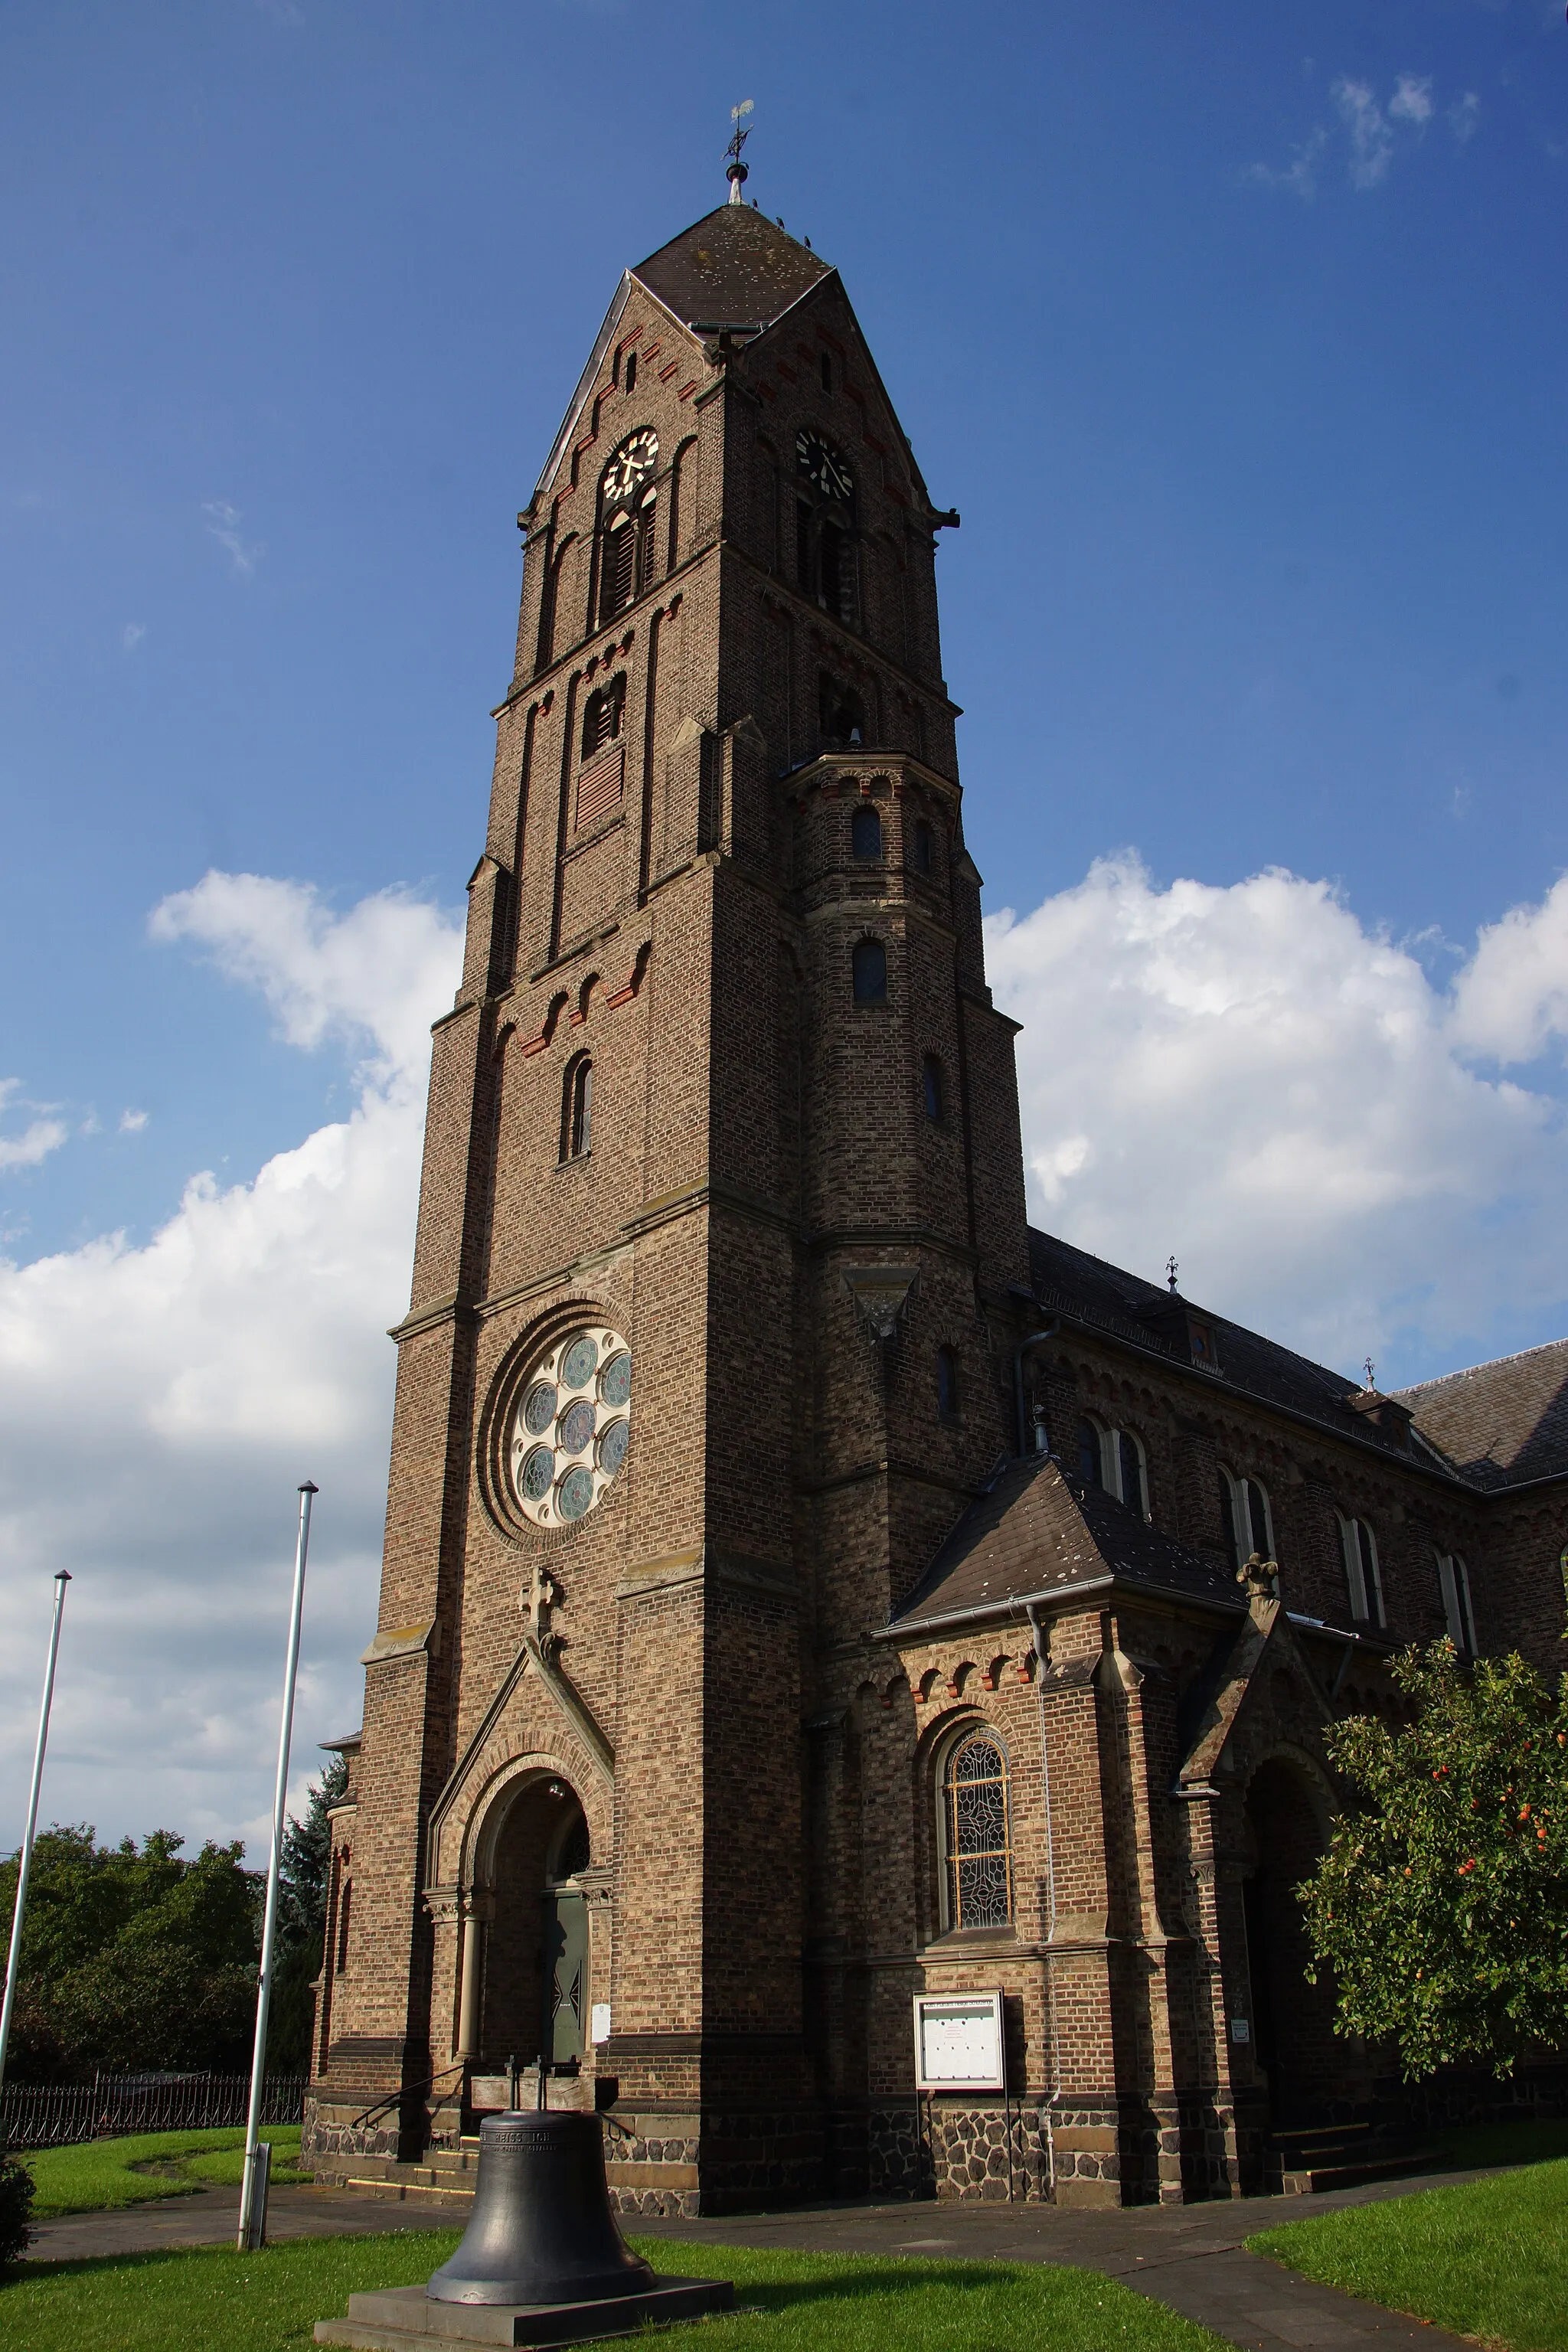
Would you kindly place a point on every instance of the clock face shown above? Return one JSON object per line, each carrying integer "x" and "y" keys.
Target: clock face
{"x": 823, "y": 466}
{"x": 631, "y": 466}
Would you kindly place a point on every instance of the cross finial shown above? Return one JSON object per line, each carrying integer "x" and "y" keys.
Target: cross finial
{"x": 1370, "y": 1368}
{"x": 1171, "y": 1271}
{"x": 736, "y": 173}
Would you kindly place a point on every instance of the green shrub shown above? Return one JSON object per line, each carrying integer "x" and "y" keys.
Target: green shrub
{"x": 15, "y": 2208}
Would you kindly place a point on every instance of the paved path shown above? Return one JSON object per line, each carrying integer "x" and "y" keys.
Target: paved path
{"x": 1190, "y": 2257}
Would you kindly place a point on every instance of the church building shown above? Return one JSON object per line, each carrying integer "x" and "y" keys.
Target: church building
{"x": 849, "y": 1684}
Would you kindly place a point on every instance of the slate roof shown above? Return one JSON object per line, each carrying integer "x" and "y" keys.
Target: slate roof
{"x": 732, "y": 268}
{"x": 1494, "y": 1425}
{"x": 1503, "y": 1422}
{"x": 1036, "y": 1533}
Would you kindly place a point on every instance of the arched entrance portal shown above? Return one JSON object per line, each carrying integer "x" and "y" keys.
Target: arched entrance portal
{"x": 535, "y": 2002}
{"x": 1292, "y": 2021}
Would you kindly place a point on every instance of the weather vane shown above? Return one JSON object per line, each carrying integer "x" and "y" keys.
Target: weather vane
{"x": 1171, "y": 1272}
{"x": 737, "y": 174}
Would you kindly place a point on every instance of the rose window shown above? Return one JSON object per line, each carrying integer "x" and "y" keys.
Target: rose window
{"x": 572, "y": 1427}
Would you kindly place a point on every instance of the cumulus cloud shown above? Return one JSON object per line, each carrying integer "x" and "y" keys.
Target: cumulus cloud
{"x": 37, "y": 1141}
{"x": 132, "y": 1122}
{"x": 1248, "y": 1077}
{"x": 159, "y": 1403}
{"x": 223, "y": 523}
{"x": 1339, "y": 1150}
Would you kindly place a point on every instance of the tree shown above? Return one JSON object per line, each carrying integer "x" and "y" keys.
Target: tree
{"x": 132, "y": 1957}
{"x": 1441, "y": 1906}
{"x": 302, "y": 1921}
{"x": 15, "y": 2208}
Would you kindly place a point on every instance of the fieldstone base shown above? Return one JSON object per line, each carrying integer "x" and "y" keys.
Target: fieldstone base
{"x": 404, "y": 2320}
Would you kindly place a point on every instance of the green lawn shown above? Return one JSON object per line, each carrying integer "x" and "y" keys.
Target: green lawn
{"x": 100, "y": 2173}
{"x": 1486, "y": 2258}
{"x": 210, "y": 2299}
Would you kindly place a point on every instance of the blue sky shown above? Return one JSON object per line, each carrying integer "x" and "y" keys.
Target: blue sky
{"x": 1237, "y": 334}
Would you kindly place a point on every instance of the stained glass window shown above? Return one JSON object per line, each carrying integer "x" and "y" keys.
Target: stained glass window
{"x": 613, "y": 1447}
{"x": 576, "y": 1493}
{"x": 571, "y": 1425}
{"x": 577, "y": 1427}
{"x": 977, "y": 1834}
{"x": 539, "y": 1408}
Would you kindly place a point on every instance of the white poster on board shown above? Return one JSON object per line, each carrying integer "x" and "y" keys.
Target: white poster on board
{"x": 958, "y": 2042}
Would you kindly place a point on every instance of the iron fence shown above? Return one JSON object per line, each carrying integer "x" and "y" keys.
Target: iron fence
{"x": 61, "y": 2114}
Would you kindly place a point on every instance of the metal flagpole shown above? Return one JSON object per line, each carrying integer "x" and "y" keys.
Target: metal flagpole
{"x": 24, "y": 1859}
{"x": 252, "y": 2230}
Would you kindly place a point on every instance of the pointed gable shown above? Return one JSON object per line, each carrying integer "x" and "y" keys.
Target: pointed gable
{"x": 1035, "y": 1534}
{"x": 734, "y": 268}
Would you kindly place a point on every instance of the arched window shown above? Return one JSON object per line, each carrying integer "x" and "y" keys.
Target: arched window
{"x": 826, "y": 368}
{"x": 976, "y": 1833}
{"x": 1113, "y": 1460}
{"x": 931, "y": 1086}
{"x": 824, "y": 525}
{"x": 920, "y": 846}
{"x": 577, "y": 1108}
{"x": 841, "y": 714}
{"x": 1454, "y": 1583}
{"x": 345, "y": 1905}
{"x": 602, "y": 716}
{"x": 947, "y": 1383}
{"x": 866, "y": 832}
{"x": 869, "y": 967}
{"x": 1246, "y": 1516}
{"x": 629, "y": 375}
{"x": 1132, "y": 1484}
{"x": 1364, "y": 1576}
{"x": 628, "y": 503}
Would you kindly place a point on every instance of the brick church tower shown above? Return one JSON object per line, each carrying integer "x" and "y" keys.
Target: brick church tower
{"x": 721, "y": 1200}
{"x": 805, "y": 1586}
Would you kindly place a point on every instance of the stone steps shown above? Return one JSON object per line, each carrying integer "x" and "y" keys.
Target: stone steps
{"x": 1340, "y": 2156}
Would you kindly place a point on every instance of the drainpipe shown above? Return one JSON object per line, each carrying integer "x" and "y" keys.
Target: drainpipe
{"x": 1035, "y": 1339}
{"x": 1031, "y": 1610}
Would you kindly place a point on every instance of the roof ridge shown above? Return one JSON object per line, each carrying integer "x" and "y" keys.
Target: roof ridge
{"x": 1490, "y": 1364}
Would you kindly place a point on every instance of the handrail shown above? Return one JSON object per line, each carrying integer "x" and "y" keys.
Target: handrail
{"x": 406, "y": 2091}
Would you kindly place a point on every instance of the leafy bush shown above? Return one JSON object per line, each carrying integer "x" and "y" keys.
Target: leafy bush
{"x": 1441, "y": 1905}
{"x": 15, "y": 2208}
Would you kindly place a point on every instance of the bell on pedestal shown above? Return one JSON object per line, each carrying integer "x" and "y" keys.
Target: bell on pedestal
{"x": 542, "y": 2230}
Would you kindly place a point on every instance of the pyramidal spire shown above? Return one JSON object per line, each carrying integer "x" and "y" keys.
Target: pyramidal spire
{"x": 736, "y": 173}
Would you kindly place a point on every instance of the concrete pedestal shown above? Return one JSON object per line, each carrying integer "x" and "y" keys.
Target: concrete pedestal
{"x": 404, "y": 2320}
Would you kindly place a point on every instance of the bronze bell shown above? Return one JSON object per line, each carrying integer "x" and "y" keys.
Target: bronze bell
{"x": 541, "y": 2228}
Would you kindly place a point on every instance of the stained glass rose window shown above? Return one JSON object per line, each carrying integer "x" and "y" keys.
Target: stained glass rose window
{"x": 572, "y": 1426}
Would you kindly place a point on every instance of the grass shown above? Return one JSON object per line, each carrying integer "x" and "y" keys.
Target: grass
{"x": 1486, "y": 2258}
{"x": 102, "y": 2174}
{"x": 209, "y": 2299}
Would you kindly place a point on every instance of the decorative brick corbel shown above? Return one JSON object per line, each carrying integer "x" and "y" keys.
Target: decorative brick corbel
{"x": 881, "y": 1294}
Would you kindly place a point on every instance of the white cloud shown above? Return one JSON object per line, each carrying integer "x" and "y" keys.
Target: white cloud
{"x": 1247, "y": 1076}
{"x": 132, "y": 634}
{"x": 132, "y": 1122}
{"x": 222, "y": 523}
{"x": 1464, "y": 116}
{"x": 1370, "y": 131}
{"x": 159, "y": 1404}
{"x": 1511, "y": 1000}
{"x": 1300, "y": 176}
{"x": 37, "y": 1141}
{"x": 1412, "y": 100}
{"x": 1372, "y": 146}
